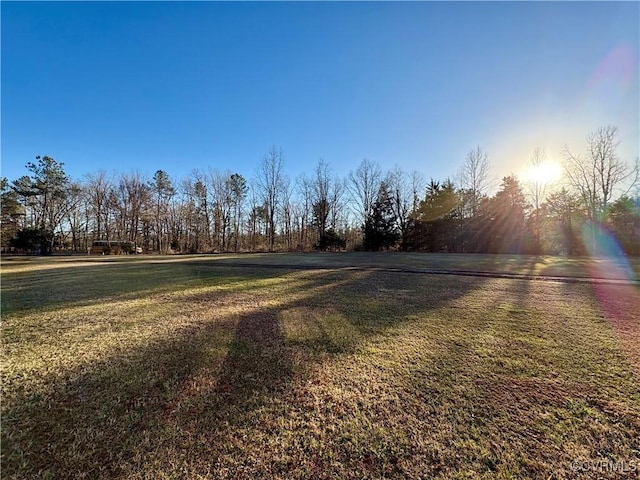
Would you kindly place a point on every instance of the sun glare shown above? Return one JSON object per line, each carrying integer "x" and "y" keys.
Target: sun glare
{"x": 544, "y": 173}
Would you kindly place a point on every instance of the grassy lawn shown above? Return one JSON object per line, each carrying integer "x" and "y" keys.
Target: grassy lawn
{"x": 255, "y": 367}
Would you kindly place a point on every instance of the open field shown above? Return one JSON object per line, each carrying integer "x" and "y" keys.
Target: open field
{"x": 319, "y": 366}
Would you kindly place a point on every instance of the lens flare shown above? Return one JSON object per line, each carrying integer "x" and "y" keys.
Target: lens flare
{"x": 611, "y": 81}
{"x": 614, "y": 283}
{"x": 607, "y": 255}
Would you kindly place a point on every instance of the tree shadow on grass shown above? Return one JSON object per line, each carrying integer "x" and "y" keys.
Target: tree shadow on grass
{"x": 204, "y": 400}
{"x": 223, "y": 397}
{"x": 257, "y": 361}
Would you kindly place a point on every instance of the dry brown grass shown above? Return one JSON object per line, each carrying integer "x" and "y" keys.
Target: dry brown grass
{"x": 194, "y": 369}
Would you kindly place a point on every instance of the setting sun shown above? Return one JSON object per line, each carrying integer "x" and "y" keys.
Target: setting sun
{"x": 544, "y": 173}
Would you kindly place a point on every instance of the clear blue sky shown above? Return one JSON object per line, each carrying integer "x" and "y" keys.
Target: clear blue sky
{"x": 175, "y": 86}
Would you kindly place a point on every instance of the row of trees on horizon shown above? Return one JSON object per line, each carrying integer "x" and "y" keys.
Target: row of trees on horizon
{"x": 213, "y": 211}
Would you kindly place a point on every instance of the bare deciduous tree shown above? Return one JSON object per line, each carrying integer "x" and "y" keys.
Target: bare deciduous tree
{"x": 305, "y": 193}
{"x": 76, "y": 196}
{"x": 404, "y": 194}
{"x": 269, "y": 180}
{"x": 287, "y": 213}
{"x": 98, "y": 188}
{"x": 418, "y": 184}
{"x": 473, "y": 178}
{"x": 321, "y": 190}
{"x": 537, "y": 189}
{"x": 134, "y": 207}
{"x": 600, "y": 173}
{"x": 363, "y": 186}
{"x": 336, "y": 201}
{"x": 200, "y": 195}
{"x": 221, "y": 206}
{"x": 162, "y": 190}
{"x": 238, "y": 186}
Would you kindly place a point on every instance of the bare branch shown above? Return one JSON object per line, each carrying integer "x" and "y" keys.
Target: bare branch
{"x": 601, "y": 173}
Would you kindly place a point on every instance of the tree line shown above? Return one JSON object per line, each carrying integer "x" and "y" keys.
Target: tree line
{"x": 595, "y": 205}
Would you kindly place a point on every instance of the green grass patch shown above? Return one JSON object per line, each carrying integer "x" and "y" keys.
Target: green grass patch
{"x": 241, "y": 367}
